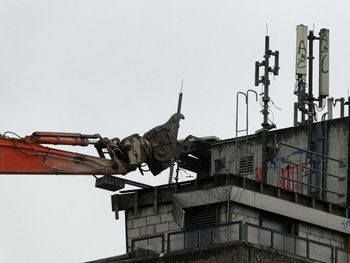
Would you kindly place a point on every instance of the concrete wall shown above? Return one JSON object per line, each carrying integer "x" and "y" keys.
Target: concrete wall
{"x": 305, "y": 230}
{"x": 321, "y": 235}
{"x": 279, "y": 171}
{"x": 235, "y": 252}
{"x": 148, "y": 222}
{"x": 250, "y": 215}
{"x": 238, "y": 213}
{"x": 337, "y": 148}
{"x": 227, "y": 152}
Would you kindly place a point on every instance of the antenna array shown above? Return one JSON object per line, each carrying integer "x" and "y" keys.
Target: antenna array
{"x": 266, "y": 99}
{"x": 303, "y": 65}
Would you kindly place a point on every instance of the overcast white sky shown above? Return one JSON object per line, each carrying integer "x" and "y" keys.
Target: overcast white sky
{"x": 115, "y": 68}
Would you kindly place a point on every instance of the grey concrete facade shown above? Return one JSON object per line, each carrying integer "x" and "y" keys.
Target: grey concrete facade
{"x": 230, "y": 212}
{"x": 320, "y": 234}
{"x": 318, "y": 220}
{"x": 285, "y": 162}
{"x": 263, "y": 202}
{"x": 149, "y": 222}
{"x": 235, "y": 252}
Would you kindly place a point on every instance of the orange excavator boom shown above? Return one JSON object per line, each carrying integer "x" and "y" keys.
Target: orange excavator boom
{"x": 158, "y": 148}
{"x": 28, "y": 156}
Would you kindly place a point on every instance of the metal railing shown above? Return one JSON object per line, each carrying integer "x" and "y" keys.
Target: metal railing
{"x": 239, "y": 231}
{"x": 146, "y": 246}
{"x": 203, "y": 237}
{"x": 311, "y": 170}
{"x": 342, "y": 255}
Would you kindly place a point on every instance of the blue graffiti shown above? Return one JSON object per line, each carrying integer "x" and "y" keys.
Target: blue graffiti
{"x": 346, "y": 223}
{"x": 273, "y": 163}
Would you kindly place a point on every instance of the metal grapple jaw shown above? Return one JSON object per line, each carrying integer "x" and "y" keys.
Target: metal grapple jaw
{"x": 155, "y": 148}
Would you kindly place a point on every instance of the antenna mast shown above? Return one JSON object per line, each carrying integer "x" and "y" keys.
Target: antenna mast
{"x": 266, "y": 99}
{"x": 301, "y": 68}
{"x": 178, "y": 113}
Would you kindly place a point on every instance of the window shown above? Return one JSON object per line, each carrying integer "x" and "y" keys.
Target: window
{"x": 279, "y": 223}
{"x": 283, "y": 225}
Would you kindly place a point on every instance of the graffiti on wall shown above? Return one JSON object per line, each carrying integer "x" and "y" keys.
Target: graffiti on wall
{"x": 293, "y": 171}
{"x": 346, "y": 223}
{"x": 292, "y": 177}
{"x": 258, "y": 174}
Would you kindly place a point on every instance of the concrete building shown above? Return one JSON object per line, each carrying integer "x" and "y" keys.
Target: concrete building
{"x": 274, "y": 196}
{"x": 230, "y": 213}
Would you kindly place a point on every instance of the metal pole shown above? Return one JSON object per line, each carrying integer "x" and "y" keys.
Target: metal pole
{"x": 310, "y": 95}
{"x": 340, "y": 161}
{"x": 266, "y": 100}
{"x": 300, "y": 105}
{"x": 324, "y": 162}
{"x": 310, "y": 101}
{"x": 348, "y": 182}
{"x": 246, "y": 138}
{"x": 237, "y": 130}
{"x": 172, "y": 162}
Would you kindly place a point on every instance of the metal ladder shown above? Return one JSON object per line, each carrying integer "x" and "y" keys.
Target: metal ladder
{"x": 246, "y": 95}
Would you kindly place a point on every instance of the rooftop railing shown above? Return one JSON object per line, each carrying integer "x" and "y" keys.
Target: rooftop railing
{"x": 239, "y": 231}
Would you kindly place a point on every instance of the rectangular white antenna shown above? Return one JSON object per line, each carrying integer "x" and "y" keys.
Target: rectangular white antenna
{"x": 301, "y": 50}
{"x": 324, "y": 63}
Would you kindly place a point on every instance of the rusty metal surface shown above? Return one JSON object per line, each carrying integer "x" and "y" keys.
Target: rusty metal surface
{"x": 162, "y": 139}
{"x": 138, "y": 150}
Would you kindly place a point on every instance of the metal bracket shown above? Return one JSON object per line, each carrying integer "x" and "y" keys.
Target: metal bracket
{"x": 342, "y": 162}
{"x": 113, "y": 183}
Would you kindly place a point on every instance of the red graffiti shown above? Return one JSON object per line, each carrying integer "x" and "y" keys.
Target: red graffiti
{"x": 292, "y": 178}
{"x": 258, "y": 174}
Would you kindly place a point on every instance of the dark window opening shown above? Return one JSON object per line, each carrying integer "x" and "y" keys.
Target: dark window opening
{"x": 279, "y": 223}
{"x": 198, "y": 221}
